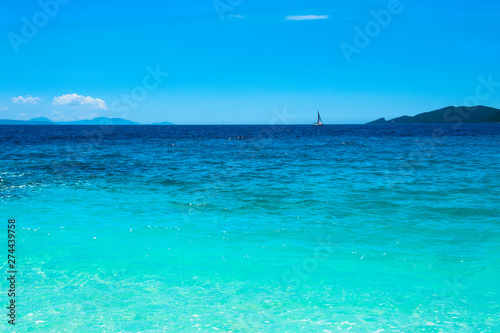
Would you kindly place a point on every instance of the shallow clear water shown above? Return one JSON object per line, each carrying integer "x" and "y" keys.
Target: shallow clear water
{"x": 254, "y": 228}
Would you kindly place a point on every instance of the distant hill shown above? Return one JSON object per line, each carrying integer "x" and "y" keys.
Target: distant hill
{"x": 23, "y": 122}
{"x": 450, "y": 114}
{"x": 41, "y": 120}
{"x": 95, "y": 121}
{"x": 494, "y": 119}
{"x": 163, "y": 123}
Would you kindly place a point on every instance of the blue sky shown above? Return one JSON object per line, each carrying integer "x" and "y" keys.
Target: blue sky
{"x": 246, "y": 61}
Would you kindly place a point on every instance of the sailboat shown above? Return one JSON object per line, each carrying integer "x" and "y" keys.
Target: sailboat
{"x": 319, "y": 122}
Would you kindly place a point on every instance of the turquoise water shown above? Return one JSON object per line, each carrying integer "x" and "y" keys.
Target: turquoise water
{"x": 253, "y": 228}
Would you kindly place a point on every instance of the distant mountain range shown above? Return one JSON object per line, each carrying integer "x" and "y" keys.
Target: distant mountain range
{"x": 450, "y": 114}
{"x": 95, "y": 121}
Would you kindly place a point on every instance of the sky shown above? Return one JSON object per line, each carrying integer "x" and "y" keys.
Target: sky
{"x": 246, "y": 61}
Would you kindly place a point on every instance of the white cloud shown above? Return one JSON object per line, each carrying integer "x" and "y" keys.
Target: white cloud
{"x": 237, "y": 15}
{"x": 74, "y": 99}
{"x": 23, "y": 116}
{"x": 28, "y": 99}
{"x": 4, "y": 108}
{"x": 306, "y": 17}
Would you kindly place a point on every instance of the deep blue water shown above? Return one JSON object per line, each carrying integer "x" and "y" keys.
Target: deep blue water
{"x": 366, "y": 228}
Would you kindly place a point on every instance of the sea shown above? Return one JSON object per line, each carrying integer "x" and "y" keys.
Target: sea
{"x": 293, "y": 228}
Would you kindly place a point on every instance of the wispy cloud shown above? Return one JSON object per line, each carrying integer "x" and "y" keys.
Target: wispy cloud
{"x": 237, "y": 16}
{"x": 59, "y": 116}
{"x": 74, "y": 99}
{"x": 22, "y": 116}
{"x": 26, "y": 100}
{"x": 4, "y": 108}
{"x": 79, "y": 115}
{"x": 306, "y": 17}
